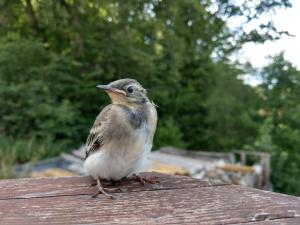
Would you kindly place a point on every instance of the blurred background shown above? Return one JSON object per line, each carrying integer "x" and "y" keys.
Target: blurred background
{"x": 224, "y": 74}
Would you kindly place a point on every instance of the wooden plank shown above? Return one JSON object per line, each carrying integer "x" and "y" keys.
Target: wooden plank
{"x": 190, "y": 204}
{"x": 283, "y": 221}
{"x": 43, "y": 187}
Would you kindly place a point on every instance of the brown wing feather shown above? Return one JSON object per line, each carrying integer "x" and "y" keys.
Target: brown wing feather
{"x": 96, "y": 137}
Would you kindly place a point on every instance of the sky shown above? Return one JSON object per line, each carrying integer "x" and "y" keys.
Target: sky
{"x": 257, "y": 54}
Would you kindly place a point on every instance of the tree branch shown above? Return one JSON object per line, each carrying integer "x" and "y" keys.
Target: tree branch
{"x": 31, "y": 18}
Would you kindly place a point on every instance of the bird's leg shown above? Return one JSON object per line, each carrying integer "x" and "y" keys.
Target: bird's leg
{"x": 101, "y": 190}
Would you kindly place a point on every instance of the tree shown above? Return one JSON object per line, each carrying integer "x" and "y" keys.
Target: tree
{"x": 280, "y": 91}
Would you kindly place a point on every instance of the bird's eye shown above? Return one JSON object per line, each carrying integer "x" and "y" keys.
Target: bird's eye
{"x": 130, "y": 89}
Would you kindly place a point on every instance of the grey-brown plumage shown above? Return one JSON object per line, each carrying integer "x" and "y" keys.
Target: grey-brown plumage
{"x": 122, "y": 133}
{"x": 104, "y": 129}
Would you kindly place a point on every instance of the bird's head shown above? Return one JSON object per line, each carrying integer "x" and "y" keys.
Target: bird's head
{"x": 125, "y": 91}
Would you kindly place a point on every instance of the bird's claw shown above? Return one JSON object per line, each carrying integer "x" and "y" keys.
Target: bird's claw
{"x": 111, "y": 190}
{"x": 144, "y": 180}
{"x": 102, "y": 192}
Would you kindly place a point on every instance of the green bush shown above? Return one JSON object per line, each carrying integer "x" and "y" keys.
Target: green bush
{"x": 14, "y": 151}
{"x": 168, "y": 132}
{"x": 33, "y": 87}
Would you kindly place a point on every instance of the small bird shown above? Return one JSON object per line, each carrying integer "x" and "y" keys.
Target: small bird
{"x": 122, "y": 134}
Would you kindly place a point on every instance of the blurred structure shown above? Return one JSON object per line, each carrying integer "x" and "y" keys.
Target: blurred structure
{"x": 245, "y": 168}
{"x": 233, "y": 167}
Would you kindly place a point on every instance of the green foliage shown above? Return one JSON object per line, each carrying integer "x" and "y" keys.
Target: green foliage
{"x": 231, "y": 112}
{"x": 281, "y": 90}
{"x": 32, "y": 90}
{"x": 279, "y": 134}
{"x": 264, "y": 141}
{"x": 168, "y": 132}
{"x": 24, "y": 150}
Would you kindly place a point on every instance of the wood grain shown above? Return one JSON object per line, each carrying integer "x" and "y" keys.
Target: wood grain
{"x": 62, "y": 186}
{"x": 282, "y": 221}
{"x": 176, "y": 200}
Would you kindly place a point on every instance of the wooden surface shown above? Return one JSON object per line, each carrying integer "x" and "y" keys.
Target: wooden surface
{"x": 175, "y": 200}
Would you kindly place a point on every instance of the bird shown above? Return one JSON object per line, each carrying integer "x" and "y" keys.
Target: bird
{"x": 122, "y": 134}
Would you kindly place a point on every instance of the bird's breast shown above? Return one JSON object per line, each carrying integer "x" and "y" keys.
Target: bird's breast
{"x": 125, "y": 149}
{"x": 133, "y": 145}
{"x": 120, "y": 158}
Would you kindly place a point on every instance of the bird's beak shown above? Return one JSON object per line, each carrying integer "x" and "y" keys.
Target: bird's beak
{"x": 108, "y": 88}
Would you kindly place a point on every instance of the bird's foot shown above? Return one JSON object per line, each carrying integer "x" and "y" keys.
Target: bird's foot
{"x": 145, "y": 180}
{"x": 102, "y": 191}
{"x": 105, "y": 191}
{"x": 113, "y": 190}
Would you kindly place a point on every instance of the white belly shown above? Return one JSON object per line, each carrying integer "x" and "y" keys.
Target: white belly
{"x": 117, "y": 160}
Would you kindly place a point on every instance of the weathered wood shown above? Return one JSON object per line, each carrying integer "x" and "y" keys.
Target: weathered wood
{"x": 176, "y": 200}
{"x": 45, "y": 187}
{"x": 289, "y": 221}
